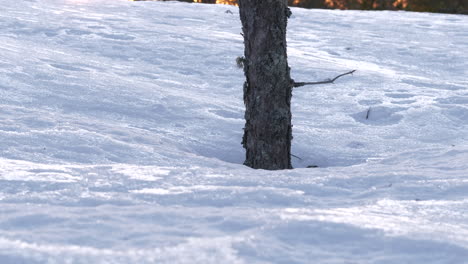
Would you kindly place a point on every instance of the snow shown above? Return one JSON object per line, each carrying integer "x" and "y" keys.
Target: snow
{"x": 121, "y": 123}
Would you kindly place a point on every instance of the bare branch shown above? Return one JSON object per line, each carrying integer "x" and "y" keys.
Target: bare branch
{"x": 299, "y": 84}
{"x": 296, "y": 156}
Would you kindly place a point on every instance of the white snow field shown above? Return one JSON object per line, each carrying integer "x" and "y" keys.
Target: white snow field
{"x": 121, "y": 123}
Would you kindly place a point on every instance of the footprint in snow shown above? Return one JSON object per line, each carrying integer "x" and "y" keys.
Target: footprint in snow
{"x": 424, "y": 25}
{"x": 369, "y": 102}
{"x": 458, "y": 114}
{"x": 444, "y": 86}
{"x": 66, "y": 67}
{"x": 76, "y": 32}
{"x": 399, "y": 95}
{"x": 405, "y": 96}
{"x": 403, "y": 102}
{"x": 462, "y": 100}
{"x": 116, "y": 36}
{"x": 356, "y": 145}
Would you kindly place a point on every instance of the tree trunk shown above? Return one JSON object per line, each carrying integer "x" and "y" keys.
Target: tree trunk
{"x": 268, "y": 87}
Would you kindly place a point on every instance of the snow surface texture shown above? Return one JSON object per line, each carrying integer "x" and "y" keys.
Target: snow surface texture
{"x": 121, "y": 123}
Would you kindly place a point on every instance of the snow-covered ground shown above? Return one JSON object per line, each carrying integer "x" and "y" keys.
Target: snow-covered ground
{"x": 121, "y": 123}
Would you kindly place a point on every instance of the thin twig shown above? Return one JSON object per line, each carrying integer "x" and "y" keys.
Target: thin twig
{"x": 368, "y": 113}
{"x": 299, "y": 84}
{"x": 296, "y": 156}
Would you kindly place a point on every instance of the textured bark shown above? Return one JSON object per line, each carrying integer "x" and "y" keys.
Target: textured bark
{"x": 268, "y": 87}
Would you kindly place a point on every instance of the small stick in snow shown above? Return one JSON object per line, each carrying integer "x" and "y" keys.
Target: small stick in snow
{"x": 368, "y": 113}
{"x": 299, "y": 84}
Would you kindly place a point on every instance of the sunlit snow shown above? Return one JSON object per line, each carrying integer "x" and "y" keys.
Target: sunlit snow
{"x": 121, "y": 123}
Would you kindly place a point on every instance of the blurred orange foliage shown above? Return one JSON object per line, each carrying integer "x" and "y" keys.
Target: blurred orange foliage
{"x": 227, "y": 2}
{"x": 447, "y": 6}
{"x": 400, "y": 4}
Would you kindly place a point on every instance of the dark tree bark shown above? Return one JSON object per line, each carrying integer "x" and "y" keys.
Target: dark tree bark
{"x": 268, "y": 87}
